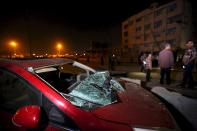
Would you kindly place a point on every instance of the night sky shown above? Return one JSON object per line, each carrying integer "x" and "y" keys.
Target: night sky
{"x": 75, "y": 23}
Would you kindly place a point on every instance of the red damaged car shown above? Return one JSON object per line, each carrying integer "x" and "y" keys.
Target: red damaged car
{"x": 62, "y": 94}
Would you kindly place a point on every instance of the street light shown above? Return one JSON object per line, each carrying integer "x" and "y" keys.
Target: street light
{"x": 13, "y": 45}
{"x": 59, "y": 47}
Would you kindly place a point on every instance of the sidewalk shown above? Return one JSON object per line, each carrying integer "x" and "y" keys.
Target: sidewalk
{"x": 133, "y": 71}
{"x": 176, "y": 77}
{"x": 183, "y": 99}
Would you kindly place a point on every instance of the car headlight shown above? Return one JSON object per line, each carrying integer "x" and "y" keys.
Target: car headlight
{"x": 142, "y": 129}
{"x": 152, "y": 129}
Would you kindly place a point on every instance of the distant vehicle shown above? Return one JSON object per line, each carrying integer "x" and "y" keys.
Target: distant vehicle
{"x": 62, "y": 94}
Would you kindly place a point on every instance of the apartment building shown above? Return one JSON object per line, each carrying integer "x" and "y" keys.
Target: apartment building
{"x": 150, "y": 28}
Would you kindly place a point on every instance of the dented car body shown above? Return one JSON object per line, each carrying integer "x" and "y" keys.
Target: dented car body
{"x": 73, "y": 96}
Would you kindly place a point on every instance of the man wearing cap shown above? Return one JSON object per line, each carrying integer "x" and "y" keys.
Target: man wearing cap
{"x": 188, "y": 64}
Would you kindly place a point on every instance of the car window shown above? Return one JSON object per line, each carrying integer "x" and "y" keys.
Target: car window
{"x": 15, "y": 92}
{"x": 63, "y": 76}
{"x": 57, "y": 117}
{"x": 69, "y": 68}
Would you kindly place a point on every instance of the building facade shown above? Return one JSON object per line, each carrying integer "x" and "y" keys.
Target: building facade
{"x": 150, "y": 28}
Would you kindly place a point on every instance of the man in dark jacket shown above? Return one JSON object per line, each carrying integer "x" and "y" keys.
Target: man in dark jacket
{"x": 166, "y": 61}
{"x": 188, "y": 64}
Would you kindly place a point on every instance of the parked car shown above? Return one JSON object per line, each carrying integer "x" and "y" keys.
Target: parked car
{"x": 62, "y": 94}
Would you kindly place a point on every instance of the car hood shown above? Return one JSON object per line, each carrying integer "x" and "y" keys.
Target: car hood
{"x": 136, "y": 107}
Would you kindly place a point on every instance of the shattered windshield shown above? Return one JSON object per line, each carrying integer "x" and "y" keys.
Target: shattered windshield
{"x": 96, "y": 90}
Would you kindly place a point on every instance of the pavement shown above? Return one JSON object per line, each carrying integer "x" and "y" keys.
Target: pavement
{"x": 185, "y": 103}
{"x": 176, "y": 76}
{"x": 132, "y": 70}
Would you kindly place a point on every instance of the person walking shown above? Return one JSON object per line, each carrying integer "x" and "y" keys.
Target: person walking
{"x": 148, "y": 66}
{"x": 188, "y": 60}
{"x": 165, "y": 61}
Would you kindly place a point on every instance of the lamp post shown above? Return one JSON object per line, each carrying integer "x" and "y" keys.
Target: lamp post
{"x": 59, "y": 47}
{"x": 13, "y": 46}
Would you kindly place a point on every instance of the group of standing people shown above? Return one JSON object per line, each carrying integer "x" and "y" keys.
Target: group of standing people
{"x": 166, "y": 63}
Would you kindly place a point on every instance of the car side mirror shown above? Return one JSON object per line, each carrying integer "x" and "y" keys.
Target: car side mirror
{"x": 28, "y": 117}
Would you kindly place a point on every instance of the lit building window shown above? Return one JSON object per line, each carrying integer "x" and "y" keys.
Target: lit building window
{"x": 138, "y": 37}
{"x": 172, "y": 7}
{"x": 147, "y": 27}
{"x": 158, "y": 12}
{"x": 126, "y": 33}
{"x": 126, "y": 26}
{"x": 130, "y": 22}
{"x": 171, "y": 41}
{"x": 157, "y": 34}
{"x": 138, "y": 29}
{"x": 146, "y": 44}
{"x": 158, "y": 24}
{"x": 126, "y": 47}
{"x": 139, "y": 19}
{"x": 147, "y": 17}
{"x": 173, "y": 19}
{"x": 146, "y": 36}
{"x": 171, "y": 30}
{"x": 170, "y": 20}
{"x": 160, "y": 42}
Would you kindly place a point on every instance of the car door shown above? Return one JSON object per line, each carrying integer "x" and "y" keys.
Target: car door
{"x": 15, "y": 92}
